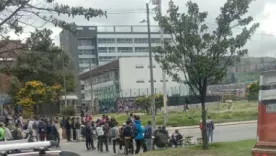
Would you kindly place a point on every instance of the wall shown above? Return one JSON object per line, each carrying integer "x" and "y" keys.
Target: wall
{"x": 135, "y": 76}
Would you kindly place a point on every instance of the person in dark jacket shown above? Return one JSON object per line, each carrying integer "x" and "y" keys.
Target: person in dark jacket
{"x": 88, "y": 136}
{"x": 42, "y": 130}
{"x": 74, "y": 128}
{"x": 49, "y": 133}
{"x": 68, "y": 129}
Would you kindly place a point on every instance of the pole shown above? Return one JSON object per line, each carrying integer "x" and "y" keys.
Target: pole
{"x": 151, "y": 70}
{"x": 163, "y": 71}
{"x": 91, "y": 85}
{"x": 64, "y": 79}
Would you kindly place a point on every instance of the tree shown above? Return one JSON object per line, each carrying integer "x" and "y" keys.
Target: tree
{"x": 17, "y": 14}
{"x": 198, "y": 56}
{"x": 144, "y": 102}
{"x": 252, "y": 91}
{"x": 34, "y": 93}
{"x": 44, "y": 62}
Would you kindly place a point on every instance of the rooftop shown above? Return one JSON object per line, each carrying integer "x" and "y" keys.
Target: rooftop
{"x": 100, "y": 70}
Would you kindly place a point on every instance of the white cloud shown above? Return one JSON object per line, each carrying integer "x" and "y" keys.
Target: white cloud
{"x": 264, "y": 12}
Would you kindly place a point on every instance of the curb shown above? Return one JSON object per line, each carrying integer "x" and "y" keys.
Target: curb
{"x": 219, "y": 124}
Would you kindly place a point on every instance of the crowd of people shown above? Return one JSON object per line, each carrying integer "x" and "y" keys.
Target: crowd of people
{"x": 132, "y": 135}
{"x": 107, "y": 131}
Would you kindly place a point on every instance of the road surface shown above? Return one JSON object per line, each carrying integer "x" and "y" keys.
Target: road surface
{"x": 221, "y": 134}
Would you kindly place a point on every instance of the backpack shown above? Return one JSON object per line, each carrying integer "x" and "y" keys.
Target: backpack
{"x": 148, "y": 132}
{"x": 34, "y": 126}
{"x": 42, "y": 127}
{"x": 16, "y": 134}
{"x": 113, "y": 132}
{"x": 100, "y": 131}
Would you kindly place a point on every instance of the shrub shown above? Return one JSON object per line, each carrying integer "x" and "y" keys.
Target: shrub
{"x": 68, "y": 111}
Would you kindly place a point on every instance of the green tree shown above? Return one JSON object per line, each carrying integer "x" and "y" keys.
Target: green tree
{"x": 252, "y": 91}
{"x": 17, "y": 14}
{"x": 44, "y": 62}
{"x": 197, "y": 56}
{"x": 144, "y": 102}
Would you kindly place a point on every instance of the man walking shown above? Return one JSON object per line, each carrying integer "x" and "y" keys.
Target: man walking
{"x": 148, "y": 136}
{"x": 210, "y": 129}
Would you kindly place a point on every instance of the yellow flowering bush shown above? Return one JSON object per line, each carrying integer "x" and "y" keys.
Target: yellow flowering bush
{"x": 35, "y": 92}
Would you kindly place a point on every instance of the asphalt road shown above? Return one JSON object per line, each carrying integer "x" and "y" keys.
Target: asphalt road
{"x": 221, "y": 134}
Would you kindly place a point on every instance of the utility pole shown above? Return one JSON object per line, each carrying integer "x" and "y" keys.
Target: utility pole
{"x": 91, "y": 85}
{"x": 151, "y": 70}
{"x": 64, "y": 79}
{"x": 163, "y": 72}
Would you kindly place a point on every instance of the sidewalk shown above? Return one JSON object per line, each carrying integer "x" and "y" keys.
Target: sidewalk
{"x": 218, "y": 124}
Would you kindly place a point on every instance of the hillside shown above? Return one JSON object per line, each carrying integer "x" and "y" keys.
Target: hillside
{"x": 245, "y": 77}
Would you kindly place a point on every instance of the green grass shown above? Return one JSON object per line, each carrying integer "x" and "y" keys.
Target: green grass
{"x": 240, "y": 148}
{"x": 240, "y": 111}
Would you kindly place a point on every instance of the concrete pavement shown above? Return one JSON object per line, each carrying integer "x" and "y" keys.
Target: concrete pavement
{"x": 225, "y": 133}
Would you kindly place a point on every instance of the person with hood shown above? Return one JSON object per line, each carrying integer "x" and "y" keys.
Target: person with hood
{"x": 139, "y": 136}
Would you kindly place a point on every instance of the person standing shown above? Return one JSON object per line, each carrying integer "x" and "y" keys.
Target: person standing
{"x": 100, "y": 133}
{"x": 55, "y": 130}
{"x": 139, "y": 137}
{"x": 2, "y": 132}
{"x": 210, "y": 129}
{"x": 62, "y": 125}
{"x": 88, "y": 136}
{"x": 78, "y": 128}
{"x": 114, "y": 135}
{"x": 148, "y": 136}
{"x": 68, "y": 129}
{"x": 106, "y": 135}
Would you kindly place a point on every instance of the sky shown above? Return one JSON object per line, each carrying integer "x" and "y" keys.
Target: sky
{"x": 131, "y": 12}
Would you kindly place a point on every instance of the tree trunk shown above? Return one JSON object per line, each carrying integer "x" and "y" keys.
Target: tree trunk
{"x": 203, "y": 115}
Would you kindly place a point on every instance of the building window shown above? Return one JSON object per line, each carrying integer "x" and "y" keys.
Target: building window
{"x": 106, "y": 58}
{"x": 106, "y": 40}
{"x": 102, "y": 50}
{"x": 140, "y": 81}
{"x": 125, "y": 49}
{"x": 155, "y": 40}
{"x": 83, "y": 96}
{"x": 141, "y": 40}
{"x": 153, "y": 66}
{"x": 141, "y": 49}
{"x": 139, "y": 66}
{"x": 111, "y": 49}
{"x": 86, "y": 52}
{"x": 82, "y": 87}
{"x": 162, "y": 80}
{"x": 124, "y": 40}
{"x": 85, "y": 42}
{"x": 87, "y": 60}
{"x": 92, "y": 28}
{"x": 168, "y": 40}
{"x": 153, "y": 80}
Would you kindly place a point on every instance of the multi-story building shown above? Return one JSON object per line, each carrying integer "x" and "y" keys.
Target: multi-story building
{"x": 98, "y": 45}
{"x": 127, "y": 77}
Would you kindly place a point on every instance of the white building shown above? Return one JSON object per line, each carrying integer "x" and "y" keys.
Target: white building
{"x": 127, "y": 77}
{"x": 126, "y": 41}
